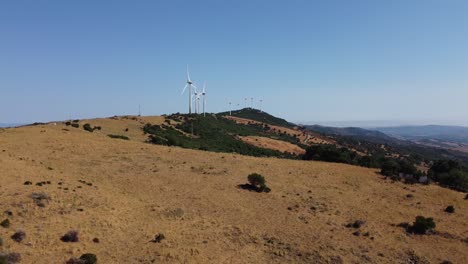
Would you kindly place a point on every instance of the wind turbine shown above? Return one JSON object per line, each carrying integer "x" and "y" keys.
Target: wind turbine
{"x": 204, "y": 97}
{"x": 197, "y": 100}
{"x": 230, "y": 109}
{"x": 251, "y": 102}
{"x": 245, "y": 102}
{"x": 189, "y": 84}
{"x": 261, "y": 101}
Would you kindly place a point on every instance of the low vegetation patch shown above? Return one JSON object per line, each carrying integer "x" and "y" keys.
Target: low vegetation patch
{"x": 10, "y": 258}
{"x": 118, "y": 137}
{"x": 158, "y": 238}
{"x": 5, "y": 223}
{"x": 87, "y": 258}
{"x": 256, "y": 183}
{"x": 450, "y": 209}
{"x": 450, "y": 173}
{"x": 212, "y": 133}
{"x": 40, "y": 198}
{"x": 88, "y": 128}
{"x": 421, "y": 225}
{"x": 70, "y": 236}
{"x": 18, "y": 236}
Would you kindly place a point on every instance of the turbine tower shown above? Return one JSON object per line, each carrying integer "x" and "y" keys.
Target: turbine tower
{"x": 261, "y": 101}
{"x": 197, "y": 100}
{"x": 251, "y": 103}
{"x": 204, "y": 97}
{"x": 189, "y": 84}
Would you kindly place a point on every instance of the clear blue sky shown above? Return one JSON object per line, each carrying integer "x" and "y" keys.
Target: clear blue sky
{"x": 405, "y": 60}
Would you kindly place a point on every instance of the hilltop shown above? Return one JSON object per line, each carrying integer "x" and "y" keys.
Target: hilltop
{"x": 124, "y": 192}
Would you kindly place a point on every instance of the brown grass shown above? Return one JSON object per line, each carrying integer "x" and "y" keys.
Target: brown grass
{"x": 139, "y": 190}
{"x": 269, "y": 143}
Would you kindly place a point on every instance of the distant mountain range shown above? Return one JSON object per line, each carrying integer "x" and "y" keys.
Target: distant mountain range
{"x": 9, "y": 125}
{"x": 454, "y": 134}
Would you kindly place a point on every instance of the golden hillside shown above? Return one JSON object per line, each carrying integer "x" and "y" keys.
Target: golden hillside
{"x": 125, "y": 192}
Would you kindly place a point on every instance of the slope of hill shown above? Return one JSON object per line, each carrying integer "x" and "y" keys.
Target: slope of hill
{"x": 124, "y": 192}
{"x": 257, "y": 115}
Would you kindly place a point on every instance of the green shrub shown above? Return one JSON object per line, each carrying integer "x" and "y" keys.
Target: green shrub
{"x": 158, "y": 238}
{"x": 75, "y": 125}
{"x": 256, "y": 179}
{"x": 118, "y": 137}
{"x": 450, "y": 209}
{"x": 70, "y": 236}
{"x": 10, "y": 258}
{"x": 258, "y": 183}
{"x": 5, "y": 223}
{"x": 88, "y": 127}
{"x": 88, "y": 258}
{"x": 422, "y": 225}
{"x": 68, "y": 123}
{"x": 449, "y": 173}
{"x": 18, "y": 236}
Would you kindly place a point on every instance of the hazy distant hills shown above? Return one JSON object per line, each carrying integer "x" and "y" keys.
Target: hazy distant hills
{"x": 8, "y": 125}
{"x": 455, "y": 134}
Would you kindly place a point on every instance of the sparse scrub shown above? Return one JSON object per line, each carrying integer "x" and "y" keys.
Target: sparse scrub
{"x": 256, "y": 183}
{"x": 5, "y": 223}
{"x": 40, "y": 198}
{"x": 118, "y": 137}
{"x": 450, "y": 209}
{"x": 87, "y": 258}
{"x": 158, "y": 238}
{"x": 88, "y": 127}
{"x": 10, "y": 258}
{"x": 70, "y": 236}
{"x": 422, "y": 225}
{"x": 75, "y": 125}
{"x": 19, "y": 236}
{"x": 356, "y": 224}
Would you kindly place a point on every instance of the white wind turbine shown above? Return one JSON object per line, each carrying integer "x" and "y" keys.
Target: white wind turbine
{"x": 189, "y": 84}
{"x": 197, "y": 100}
{"x": 204, "y": 97}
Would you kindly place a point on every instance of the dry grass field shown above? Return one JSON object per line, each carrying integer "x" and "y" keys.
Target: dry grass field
{"x": 124, "y": 192}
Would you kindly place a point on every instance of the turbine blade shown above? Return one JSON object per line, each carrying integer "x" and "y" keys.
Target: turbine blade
{"x": 184, "y": 88}
{"x": 188, "y": 75}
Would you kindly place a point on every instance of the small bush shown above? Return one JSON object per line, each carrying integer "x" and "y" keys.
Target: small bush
{"x": 450, "y": 209}
{"x": 422, "y": 225}
{"x": 19, "y": 236}
{"x": 1, "y": 241}
{"x": 75, "y": 125}
{"x": 40, "y": 198}
{"x": 256, "y": 179}
{"x": 356, "y": 224}
{"x": 466, "y": 196}
{"x": 88, "y": 258}
{"x": 27, "y": 183}
{"x": 5, "y": 223}
{"x": 158, "y": 238}
{"x": 118, "y": 137}
{"x": 10, "y": 258}
{"x": 88, "y": 127}
{"x": 68, "y": 123}
{"x": 256, "y": 183}
{"x": 70, "y": 236}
